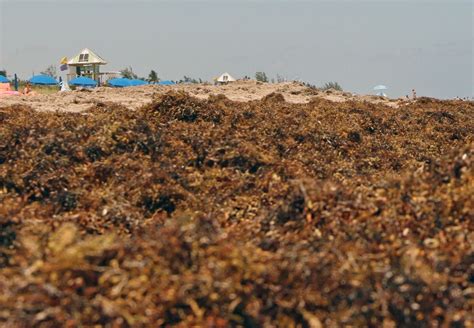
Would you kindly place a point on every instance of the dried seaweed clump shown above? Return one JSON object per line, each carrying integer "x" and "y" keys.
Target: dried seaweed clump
{"x": 217, "y": 213}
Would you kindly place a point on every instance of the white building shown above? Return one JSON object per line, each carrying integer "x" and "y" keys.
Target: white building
{"x": 225, "y": 78}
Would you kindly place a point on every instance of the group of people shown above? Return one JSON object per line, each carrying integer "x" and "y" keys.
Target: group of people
{"x": 413, "y": 95}
{"x": 5, "y": 89}
{"x": 463, "y": 98}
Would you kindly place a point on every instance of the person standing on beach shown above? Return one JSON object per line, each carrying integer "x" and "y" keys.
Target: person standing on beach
{"x": 15, "y": 82}
{"x": 413, "y": 94}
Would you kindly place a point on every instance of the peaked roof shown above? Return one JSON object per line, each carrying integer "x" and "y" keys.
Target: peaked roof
{"x": 226, "y": 77}
{"x": 85, "y": 57}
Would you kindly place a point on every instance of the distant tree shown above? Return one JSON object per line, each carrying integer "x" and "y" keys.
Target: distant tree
{"x": 3, "y": 72}
{"x": 153, "y": 77}
{"x": 332, "y": 85}
{"x": 127, "y": 73}
{"x": 187, "y": 79}
{"x": 51, "y": 71}
{"x": 280, "y": 78}
{"x": 311, "y": 86}
{"x": 261, "y": 77}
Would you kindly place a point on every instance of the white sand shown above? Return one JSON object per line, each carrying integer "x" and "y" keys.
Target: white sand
{"x": 135, "y": 97}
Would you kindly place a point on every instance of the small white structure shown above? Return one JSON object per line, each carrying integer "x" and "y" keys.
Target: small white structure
{"x": 379, "y": 89}
{"x": 225, "y": 78}
{"x": 105, "y": 76}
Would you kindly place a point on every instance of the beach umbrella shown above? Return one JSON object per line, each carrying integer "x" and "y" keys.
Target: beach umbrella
{"x": 119, "y": 82}
{"x": 137, "y": 82}
{"x": 380, "y": 89}
{"x": 43, "y": 79}
{"x": 3, "y": 79}
{"x": 166, "y": 82}
{"x": 83, "y": 82}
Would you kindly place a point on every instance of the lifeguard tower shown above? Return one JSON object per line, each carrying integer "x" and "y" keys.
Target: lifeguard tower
{"x": 86, "y": 63}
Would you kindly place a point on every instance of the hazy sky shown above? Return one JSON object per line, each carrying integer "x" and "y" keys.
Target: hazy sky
{"x": 427, "y": 45}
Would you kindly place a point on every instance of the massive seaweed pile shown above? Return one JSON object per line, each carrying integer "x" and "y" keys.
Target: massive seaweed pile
{"x": 216, "y": 213}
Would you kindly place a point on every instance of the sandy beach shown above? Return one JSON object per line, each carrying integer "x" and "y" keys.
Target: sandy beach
{"x": 135, "y": 97}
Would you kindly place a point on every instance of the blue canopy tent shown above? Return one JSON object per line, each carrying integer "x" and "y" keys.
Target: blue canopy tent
{"x": 83, "y": 82}
{"x": 137, "y": 82}
{"x": 119, "y": 82}
{"x": 43, "y": 79}
{"x": 3, "y": 79}
{"x": 166, "y": 82}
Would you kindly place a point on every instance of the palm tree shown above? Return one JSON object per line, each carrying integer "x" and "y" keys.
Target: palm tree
{"x": 153, "y": 77}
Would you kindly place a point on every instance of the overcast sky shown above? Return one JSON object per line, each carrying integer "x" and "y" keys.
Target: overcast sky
{"x": 427, "y": 45}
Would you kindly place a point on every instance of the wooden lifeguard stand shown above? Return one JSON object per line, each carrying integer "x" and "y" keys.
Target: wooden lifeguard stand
{"x": 86, "y": 63}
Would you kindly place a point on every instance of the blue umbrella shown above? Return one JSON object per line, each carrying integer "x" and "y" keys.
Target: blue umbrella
{"x": 166, "y": 82}
{"x": 83, "y": 82}
{"x": 137, "y": 82}
{"x": 3, "y": 79}
{"x": 43, "y": 79}
{"x": 120, "y": 82}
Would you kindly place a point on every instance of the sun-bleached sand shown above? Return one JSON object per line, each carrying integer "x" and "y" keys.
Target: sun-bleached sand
{"x": 135, "y": 97}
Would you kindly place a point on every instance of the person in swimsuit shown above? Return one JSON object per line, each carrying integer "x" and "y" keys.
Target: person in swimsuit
{"x": 27, "y": 89}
